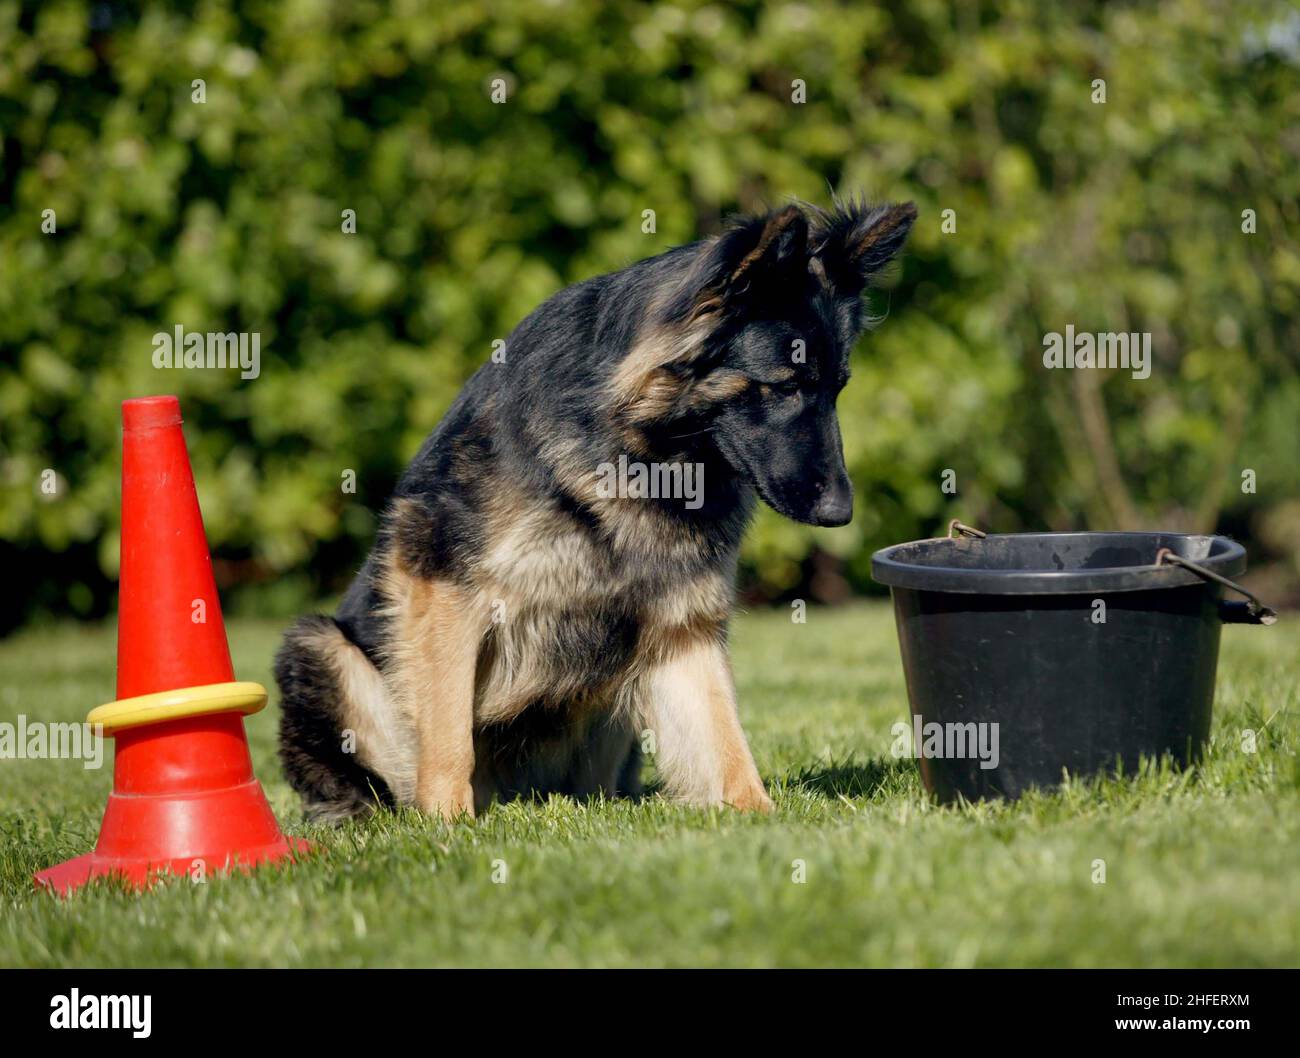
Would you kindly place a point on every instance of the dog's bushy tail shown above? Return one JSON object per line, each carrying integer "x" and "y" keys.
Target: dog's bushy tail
{"x": 333, "y": 783}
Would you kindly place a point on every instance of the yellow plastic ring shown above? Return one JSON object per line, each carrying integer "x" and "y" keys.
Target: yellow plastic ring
{"x": 246, "y": 698}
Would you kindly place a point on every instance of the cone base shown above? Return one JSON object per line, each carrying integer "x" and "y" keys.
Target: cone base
{"x": 72, "y": 874}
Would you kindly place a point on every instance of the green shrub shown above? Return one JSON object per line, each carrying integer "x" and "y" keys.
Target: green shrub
{"x": 226, "y": 215}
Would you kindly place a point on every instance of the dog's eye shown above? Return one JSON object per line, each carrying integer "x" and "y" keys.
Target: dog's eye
{"x": 789, "y": 388}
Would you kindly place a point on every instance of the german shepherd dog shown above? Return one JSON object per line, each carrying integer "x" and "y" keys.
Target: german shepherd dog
{"x": 521, "y": 628}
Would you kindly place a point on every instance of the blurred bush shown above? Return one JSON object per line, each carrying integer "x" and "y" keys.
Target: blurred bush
{"x": 226, "y": 215}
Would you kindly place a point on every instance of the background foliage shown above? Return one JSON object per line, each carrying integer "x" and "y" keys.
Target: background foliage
{"x": 225, "y": 215}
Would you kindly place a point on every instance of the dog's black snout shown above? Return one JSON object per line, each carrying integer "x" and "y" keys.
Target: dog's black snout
{"x": 835, "y": 505}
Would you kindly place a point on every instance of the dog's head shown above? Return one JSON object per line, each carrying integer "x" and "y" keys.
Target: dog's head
{"x": 751, "y": 350}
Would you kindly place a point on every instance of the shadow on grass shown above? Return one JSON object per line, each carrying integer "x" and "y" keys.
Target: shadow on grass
{"x": 856, "y": 779}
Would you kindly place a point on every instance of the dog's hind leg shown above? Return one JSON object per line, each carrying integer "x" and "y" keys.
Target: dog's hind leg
{"x": 628, "y": 783}
{"x": 608, "y": 761}
{"x": 344, "y": 748}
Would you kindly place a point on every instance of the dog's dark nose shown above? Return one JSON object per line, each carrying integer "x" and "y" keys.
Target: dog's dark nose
{"x": 835, "y": 506}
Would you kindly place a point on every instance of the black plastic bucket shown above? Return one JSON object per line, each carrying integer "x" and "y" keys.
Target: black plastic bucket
{"x": 1087, "y": 651}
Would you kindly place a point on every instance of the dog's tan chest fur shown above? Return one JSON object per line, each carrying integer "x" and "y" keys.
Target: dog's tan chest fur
{"x": 571, "y": 624}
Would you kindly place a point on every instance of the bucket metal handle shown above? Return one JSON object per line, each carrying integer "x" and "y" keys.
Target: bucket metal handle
{"x": 1253, "y": 612}
{"x": 955, "y": 527}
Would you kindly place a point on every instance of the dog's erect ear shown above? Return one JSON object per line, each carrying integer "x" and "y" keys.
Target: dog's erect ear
{"x": 753, "y": 259}
{"x": 854, "y": 241}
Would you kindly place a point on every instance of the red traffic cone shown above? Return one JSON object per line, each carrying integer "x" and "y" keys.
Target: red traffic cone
{"x": 184, "y": 794}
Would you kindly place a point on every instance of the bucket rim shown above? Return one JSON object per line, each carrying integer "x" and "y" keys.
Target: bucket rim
{"x": 1221, "y": 554}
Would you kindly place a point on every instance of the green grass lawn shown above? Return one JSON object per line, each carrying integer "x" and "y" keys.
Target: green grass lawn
{"x": 1202, "y": 868}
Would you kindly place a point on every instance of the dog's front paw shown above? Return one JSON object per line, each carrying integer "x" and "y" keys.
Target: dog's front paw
{"x": 753, "y": 799}
{"x": 447, "y": 801}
